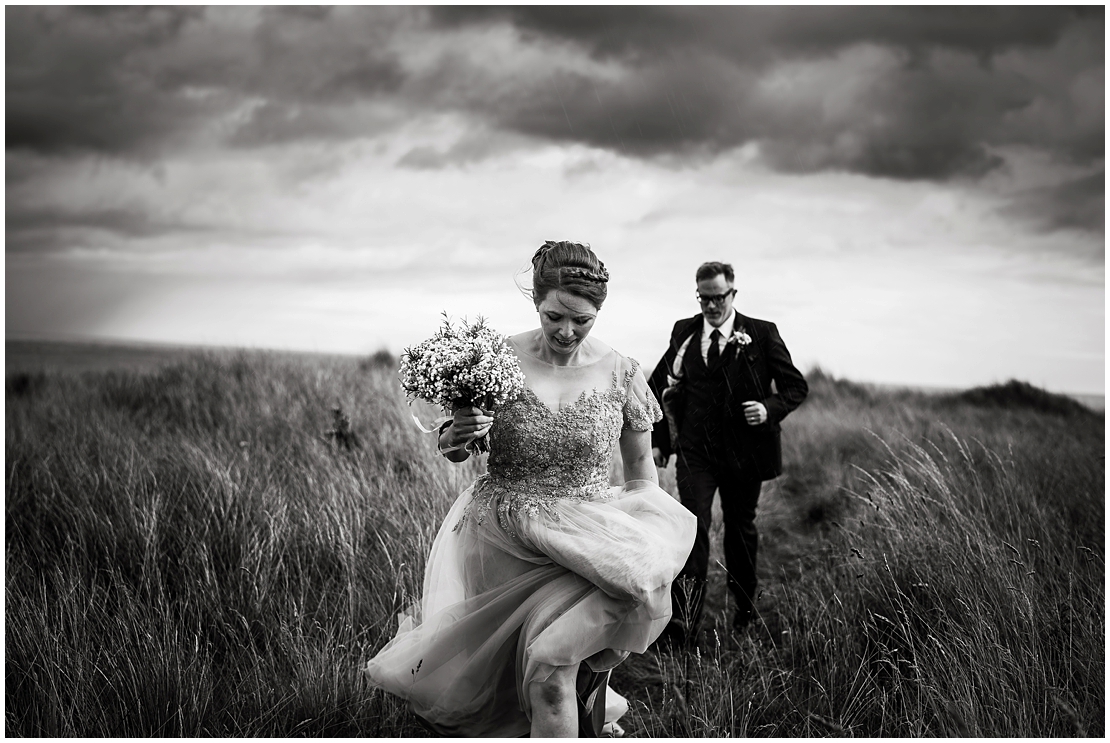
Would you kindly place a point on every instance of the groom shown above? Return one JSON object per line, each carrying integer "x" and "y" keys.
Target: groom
{"x": 722, "y": 420}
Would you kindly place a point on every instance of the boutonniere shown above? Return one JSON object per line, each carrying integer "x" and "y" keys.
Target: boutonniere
{"x": 740, "y": 338}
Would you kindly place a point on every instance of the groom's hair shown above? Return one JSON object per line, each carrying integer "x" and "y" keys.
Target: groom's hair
{"x": 715, "y": 268}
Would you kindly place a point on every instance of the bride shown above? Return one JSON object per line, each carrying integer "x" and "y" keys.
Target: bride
{"x": 544, "y": 577}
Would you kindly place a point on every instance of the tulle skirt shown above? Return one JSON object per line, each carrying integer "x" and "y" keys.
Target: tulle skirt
{"x": 505, "y": 604}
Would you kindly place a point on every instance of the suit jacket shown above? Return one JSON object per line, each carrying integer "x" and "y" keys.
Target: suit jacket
{"x": 713, "y": 399}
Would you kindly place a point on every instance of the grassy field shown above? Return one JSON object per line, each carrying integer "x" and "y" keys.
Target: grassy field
{"x": 189, "y": 553}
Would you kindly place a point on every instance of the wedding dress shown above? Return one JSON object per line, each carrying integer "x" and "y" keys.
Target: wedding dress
{"x": 540, "y": 562}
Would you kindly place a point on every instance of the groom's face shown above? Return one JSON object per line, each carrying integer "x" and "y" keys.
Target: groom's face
{"x": 715, "y": 296}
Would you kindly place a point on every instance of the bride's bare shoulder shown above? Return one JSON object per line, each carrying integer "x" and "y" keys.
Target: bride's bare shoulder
{"x": 523, "y": 336}
{"x": 524, "y": 343}
{"x": 599, "y": 349}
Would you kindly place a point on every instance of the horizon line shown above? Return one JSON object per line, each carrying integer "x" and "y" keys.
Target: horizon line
{"x": 77, "y": 338}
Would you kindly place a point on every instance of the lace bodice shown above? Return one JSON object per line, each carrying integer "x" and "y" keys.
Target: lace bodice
{"x": 539, "y": 455}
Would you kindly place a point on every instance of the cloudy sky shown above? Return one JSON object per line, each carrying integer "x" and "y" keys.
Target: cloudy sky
{"x": 915, "y": 195}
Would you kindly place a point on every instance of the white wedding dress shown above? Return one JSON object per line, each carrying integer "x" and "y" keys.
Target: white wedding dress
{"x": 540, "y": 562}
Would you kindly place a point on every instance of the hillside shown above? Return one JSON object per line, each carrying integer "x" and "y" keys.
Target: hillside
{"x": 189, "y": 553}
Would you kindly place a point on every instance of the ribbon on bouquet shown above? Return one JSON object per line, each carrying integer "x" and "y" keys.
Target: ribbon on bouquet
{"x": 436, "y": 429}
{"x": 435, "y": 424}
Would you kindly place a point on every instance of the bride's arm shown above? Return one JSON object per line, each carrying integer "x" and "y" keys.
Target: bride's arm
{"x": 636, "y": 453}
{"x": 447, "y": 445}
{"x": 467, "y": 423}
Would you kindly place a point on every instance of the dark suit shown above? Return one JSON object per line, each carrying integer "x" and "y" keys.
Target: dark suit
{"x": 718, "y": 450}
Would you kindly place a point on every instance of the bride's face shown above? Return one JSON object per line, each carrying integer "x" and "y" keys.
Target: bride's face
{"x": 566, "y": 320}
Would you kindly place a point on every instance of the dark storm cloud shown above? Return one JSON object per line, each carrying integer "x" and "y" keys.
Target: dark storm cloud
{"x": 124, "y": 80}
{"x": 942, "y": 88}
{"x": 129, "y": 223}
{"x": 468, "y": 149}
{"x": 911, "y": 122}
{"x": 899, "y": 92}
{"x": 746, "y": 33}
{"x": 71, "y": 84}
{"x": 326, "y": 56}
{"x": 1081, "y": 203}
{"x": 52, "y": 229}
{"x": 1077, "y": 204}
{"x": 691, "y": 73}
{"x": 666, "y": 109}
{"x": 37, "y": 228}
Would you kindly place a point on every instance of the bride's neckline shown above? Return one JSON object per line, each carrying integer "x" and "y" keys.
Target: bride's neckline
{"x": 602, "y": 351}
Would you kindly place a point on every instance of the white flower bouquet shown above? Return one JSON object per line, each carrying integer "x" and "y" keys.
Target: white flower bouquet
{"x": 462, "y": 366}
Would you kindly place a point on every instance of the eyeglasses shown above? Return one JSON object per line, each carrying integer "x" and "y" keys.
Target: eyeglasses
{"x": 715, "y": 298}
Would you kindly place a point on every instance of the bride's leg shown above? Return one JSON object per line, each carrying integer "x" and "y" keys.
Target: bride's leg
{"x": 554, "y": 712}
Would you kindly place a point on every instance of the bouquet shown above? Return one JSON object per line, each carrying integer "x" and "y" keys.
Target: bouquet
{"x": 463, "y": 366}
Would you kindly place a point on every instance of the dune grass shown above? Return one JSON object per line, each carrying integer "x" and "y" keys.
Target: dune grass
{"x": 188, "y": 553}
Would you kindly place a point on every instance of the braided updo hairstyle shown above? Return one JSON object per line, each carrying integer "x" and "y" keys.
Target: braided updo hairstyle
{"x": 569, "y": 267}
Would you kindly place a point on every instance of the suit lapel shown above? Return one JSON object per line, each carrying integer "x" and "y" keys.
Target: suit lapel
{"x": 690, "y": 329}
{"x": 695, "y": 347}
{"x": 687, "y": 332}
{"x": 732, "y": 350}
{"x": 745, "y": 324}
{"x": 745, "y": 360}
{"x": 736, "y": 354}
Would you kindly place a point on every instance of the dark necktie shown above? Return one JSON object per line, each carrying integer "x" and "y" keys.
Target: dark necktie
{"x": 714, "y": 354}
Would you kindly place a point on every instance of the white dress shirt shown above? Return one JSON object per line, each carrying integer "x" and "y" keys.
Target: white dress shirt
{"x": 706, "y": 331}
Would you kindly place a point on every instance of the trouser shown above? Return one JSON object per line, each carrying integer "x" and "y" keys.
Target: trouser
{"x": 700, "y": 472}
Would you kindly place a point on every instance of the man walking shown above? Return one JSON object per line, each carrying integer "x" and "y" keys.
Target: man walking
{"x": 722, "y": 421}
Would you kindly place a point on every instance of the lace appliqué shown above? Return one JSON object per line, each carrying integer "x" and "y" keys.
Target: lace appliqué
{"x": 641, "y": 416}
{"x": 539, "y": 457}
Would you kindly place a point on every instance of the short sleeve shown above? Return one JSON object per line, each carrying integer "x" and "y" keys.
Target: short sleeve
{"x": 641, "y": 409}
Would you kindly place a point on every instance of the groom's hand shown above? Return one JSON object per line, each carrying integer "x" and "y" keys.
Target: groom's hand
{"x": 755, "y": 413}
{"x": 657, "y": 455}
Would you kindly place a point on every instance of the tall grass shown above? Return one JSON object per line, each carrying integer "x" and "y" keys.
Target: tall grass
{"x": 189, "y": 554}
{"x": 943, "y": 577}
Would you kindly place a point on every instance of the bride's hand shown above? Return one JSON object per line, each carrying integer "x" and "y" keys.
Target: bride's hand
{"x": 469, "y": 423}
